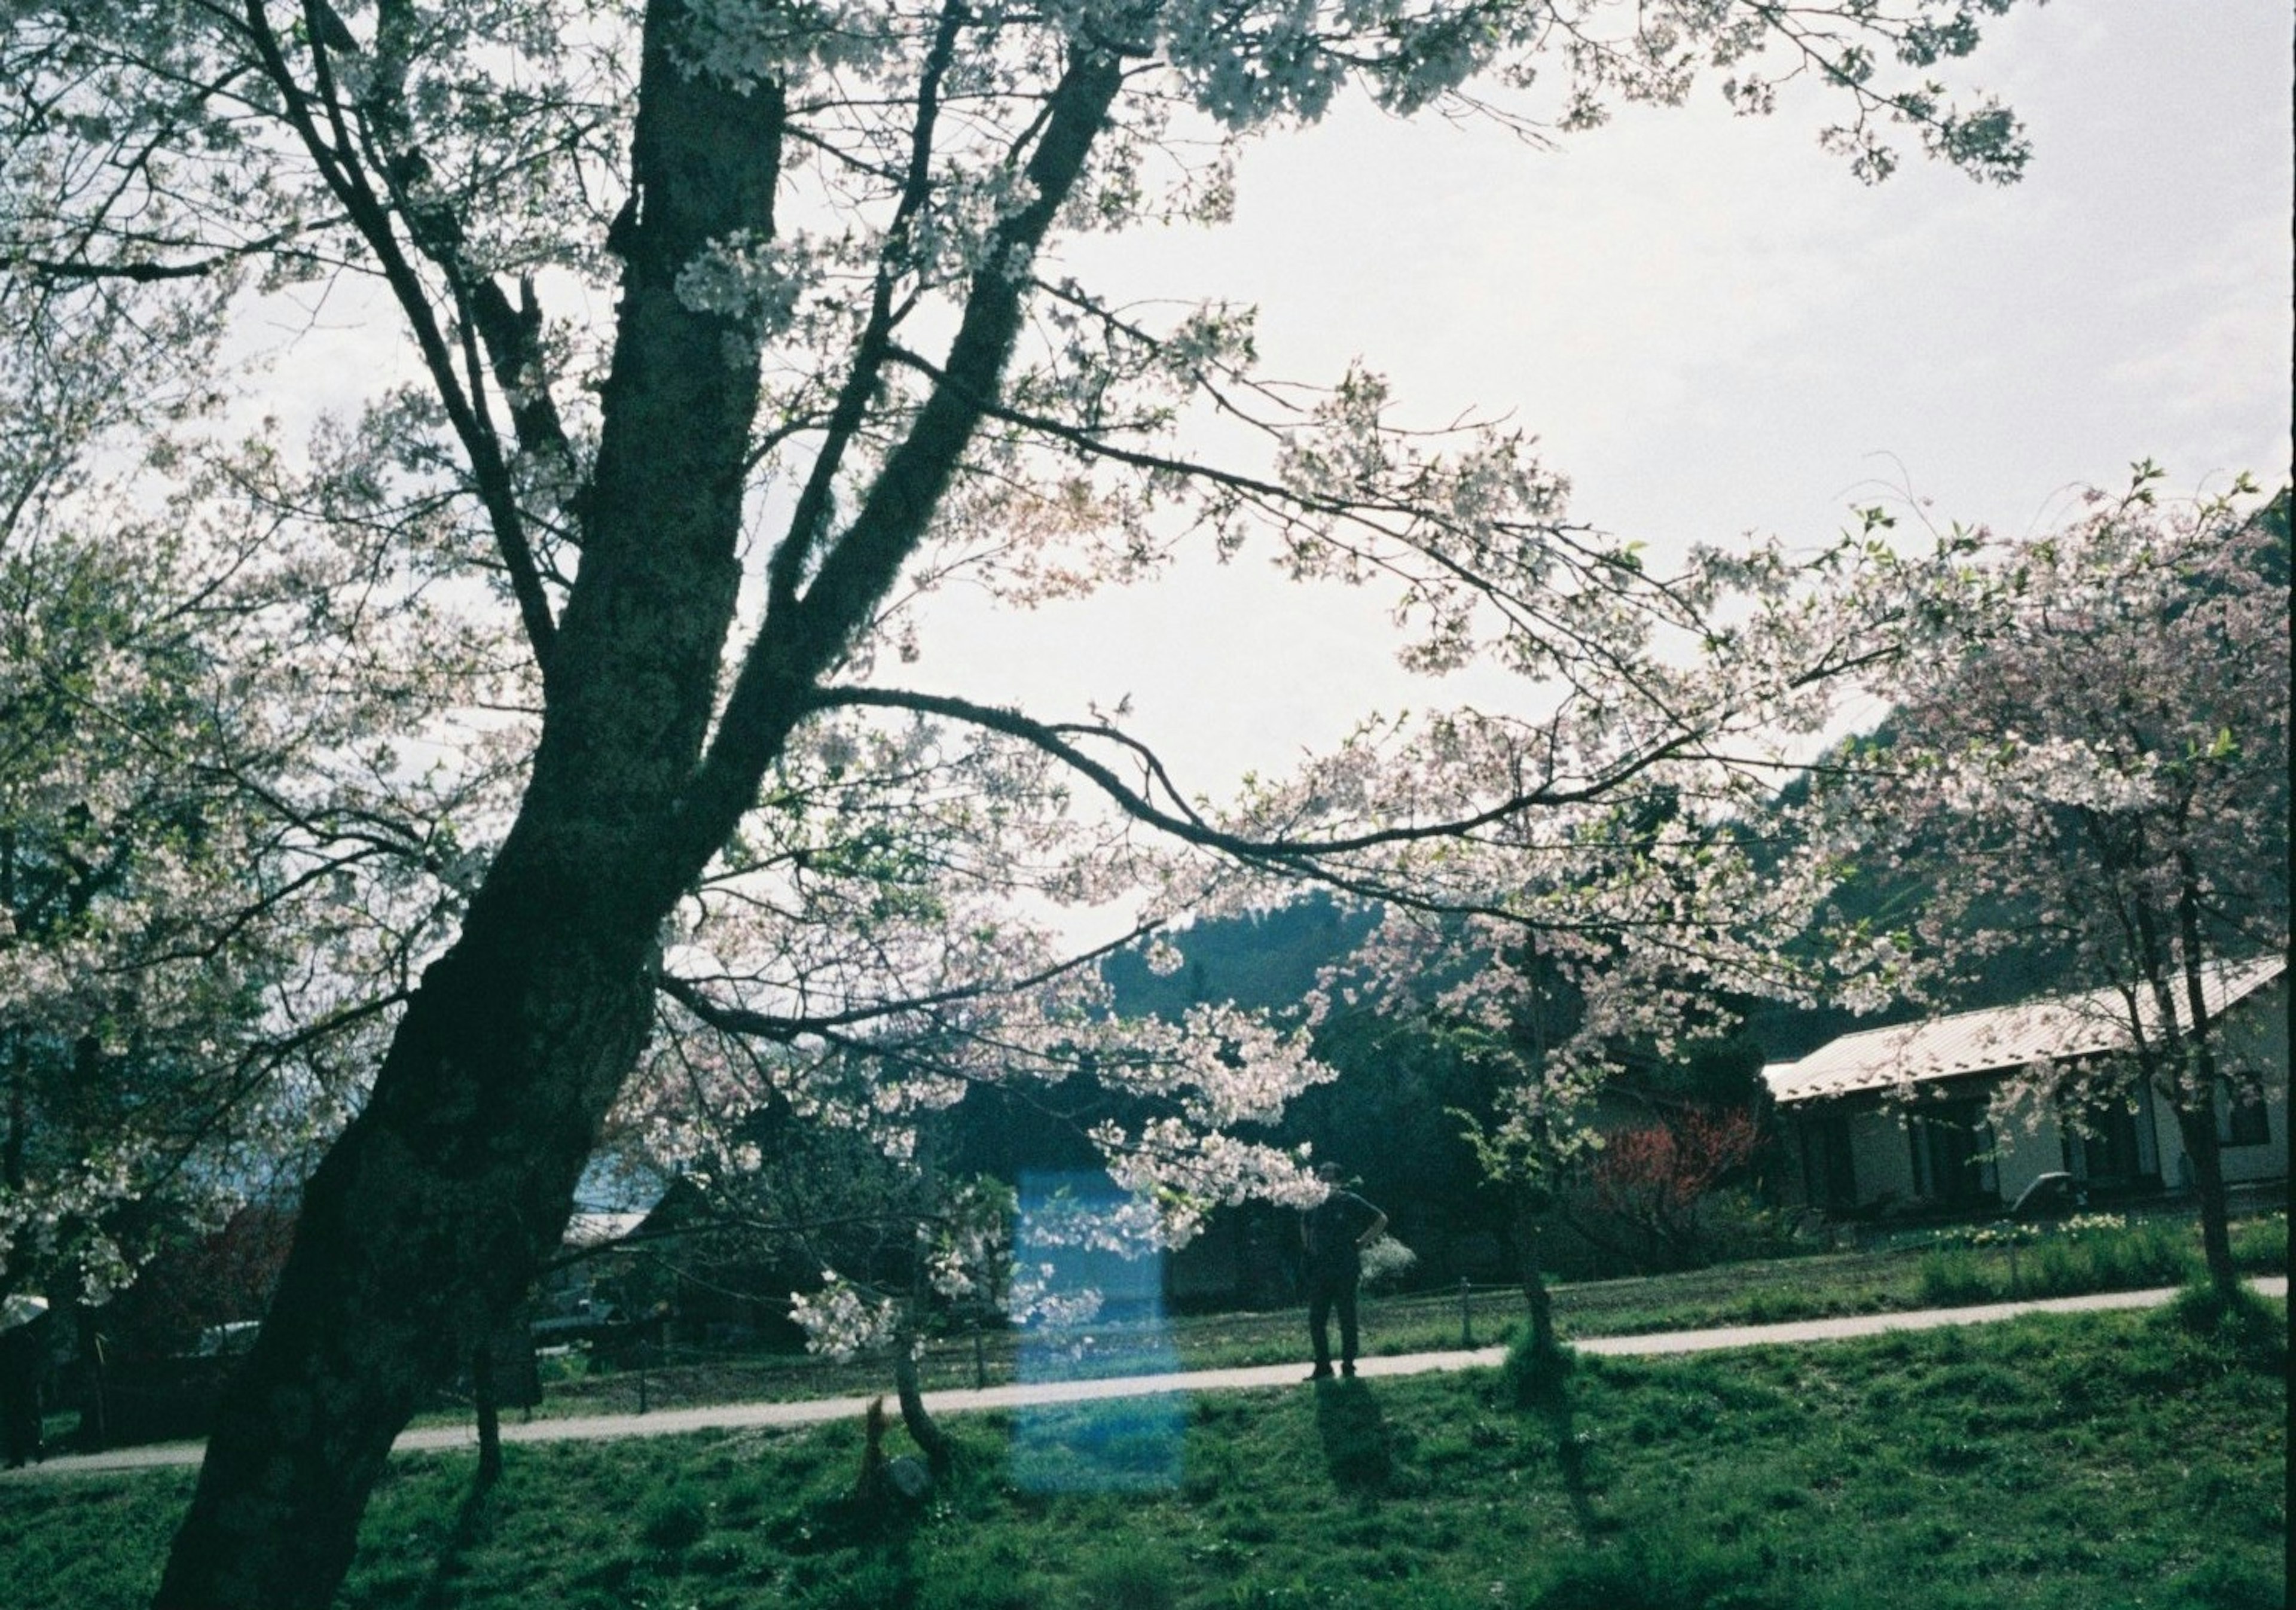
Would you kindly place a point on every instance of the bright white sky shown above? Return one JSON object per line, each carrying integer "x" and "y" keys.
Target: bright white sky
{"x": 1714, "y": 329}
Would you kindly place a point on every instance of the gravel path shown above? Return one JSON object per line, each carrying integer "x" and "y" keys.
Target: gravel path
{"x": 732, "y": 1417}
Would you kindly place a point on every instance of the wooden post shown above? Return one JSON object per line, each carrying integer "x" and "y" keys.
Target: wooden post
{"x": 1466, "y": 1315}
{"x": 489, "y": 1413}
{"x": 103, "y": 1430}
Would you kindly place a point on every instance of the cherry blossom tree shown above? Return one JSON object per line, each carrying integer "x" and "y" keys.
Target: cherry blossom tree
{"x": 829, "y": 236}
{"x": 938, "y": 1003}
{"x": 211, "y": 887}
{"x": 2089, "y": 752}
{"x": 1651, "y": 914}
{"x": 120, "y": 971}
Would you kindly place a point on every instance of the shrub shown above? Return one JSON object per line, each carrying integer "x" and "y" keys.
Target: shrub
{"x": 2102, "y": 1259}
{"x": 1738, "y": 1225}
{"x": 2088, "y": 1252}
{"x": 1385, "y": 1263}
{"x": 1650, "y": 1195}
{"x": 1953, "y": 1275}
{"x": 2261, "y": 1243}
{"x": 2151, "y": 1255}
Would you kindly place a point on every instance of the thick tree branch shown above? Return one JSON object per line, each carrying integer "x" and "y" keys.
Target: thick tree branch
{"x": 512, "y": 335}
{"x": 800, "y": 641}
{"x": 141, "y": 272}
{"x": 787, "y": 1028}
{"x": 338, "y": 162}
{"x": 808, "y": 523}
{"x": 1188, "y": 826}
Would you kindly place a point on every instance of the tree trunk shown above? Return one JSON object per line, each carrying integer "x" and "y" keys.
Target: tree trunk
{"x": 418, "y": 1233}
{"x": 2199, "y": 1131}
{"x": 915, "y": 1417}
{"x": 428, "y": 1218}
{"x": 2196, "y": 1114}
{"x": 94, "y": 1409}
{"x": 1535, "y": 1294}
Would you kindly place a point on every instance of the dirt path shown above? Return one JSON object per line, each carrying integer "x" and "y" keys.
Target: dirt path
{"x": 731, "y": 1416}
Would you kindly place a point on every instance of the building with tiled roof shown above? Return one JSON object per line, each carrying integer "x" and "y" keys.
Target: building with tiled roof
{"x": 1902, "y": 1117}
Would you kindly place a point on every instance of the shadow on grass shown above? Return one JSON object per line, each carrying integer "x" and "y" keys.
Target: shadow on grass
{"x": 1571, "y": 1460}
{"x": 1357, "y": 1445}
{"x": 473, "y": 1523}
{"x": 1541, "y": 1381}
{"x": 2244, "y": 1327}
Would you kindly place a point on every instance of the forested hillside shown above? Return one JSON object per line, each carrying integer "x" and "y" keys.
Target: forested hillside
{"x": 1268, "y": 960}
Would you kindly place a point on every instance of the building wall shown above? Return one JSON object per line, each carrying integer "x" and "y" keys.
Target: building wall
{"x": 2025, "y": 1149}
{"x": 2256, "y": 1038}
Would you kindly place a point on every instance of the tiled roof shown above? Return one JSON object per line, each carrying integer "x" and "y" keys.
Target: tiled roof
{"x": 1996, "y": 1039}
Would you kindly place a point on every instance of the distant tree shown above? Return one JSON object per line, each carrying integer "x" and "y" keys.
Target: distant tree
{"x": 1646, "y": 1187}
{"x": 166, "y": 1050}
{"x": 1621, "y": 970}
{"x": 243, "y": 747}
{"x": 2091, "y": 734}
{"x": 199, "y": 1281}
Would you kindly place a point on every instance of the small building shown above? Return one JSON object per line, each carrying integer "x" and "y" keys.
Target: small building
{"x": 1902, "y": 1119}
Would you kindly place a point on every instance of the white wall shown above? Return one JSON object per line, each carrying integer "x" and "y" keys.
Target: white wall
{"x": 2256, "y": 1037}
{"x": 2025, "y": 1148}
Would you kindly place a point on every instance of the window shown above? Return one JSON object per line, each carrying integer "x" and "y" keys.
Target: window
{"x": 1829, "y": 1176}
{"x": 2108, "y": 1145}
{"x": 1953, "y": 1151}
{"x": 2242, "y": 1120}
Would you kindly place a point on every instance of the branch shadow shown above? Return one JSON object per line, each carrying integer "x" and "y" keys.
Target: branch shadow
{"x": 1546, "y": 1391}
{"x": 473, "y": 1523}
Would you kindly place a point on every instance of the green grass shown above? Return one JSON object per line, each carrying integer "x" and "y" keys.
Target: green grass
{"x": 2092, "y": 1253}
{"x": 2094, "y": 1462}
{"x": 1932, "y": 1270}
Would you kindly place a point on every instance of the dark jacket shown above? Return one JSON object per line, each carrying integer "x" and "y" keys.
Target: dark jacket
{"x": 1334, "y": 1226}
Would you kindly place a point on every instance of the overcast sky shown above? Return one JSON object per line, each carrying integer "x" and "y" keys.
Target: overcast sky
{"x": 1713, "y": 328}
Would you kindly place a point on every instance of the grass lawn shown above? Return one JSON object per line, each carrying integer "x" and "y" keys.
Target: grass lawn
{"x": 1929, "y": 1272}
{"x": 2088, "y": 1462}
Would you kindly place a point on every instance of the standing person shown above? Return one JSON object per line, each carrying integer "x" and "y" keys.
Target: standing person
{"x": 1334, "y": 1233}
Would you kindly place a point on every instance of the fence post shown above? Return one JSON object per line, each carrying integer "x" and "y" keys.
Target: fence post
{"x": 102, "y": 1407}
{"x": 1467, "y": 1314}
{"x": 979, "y": 1361}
